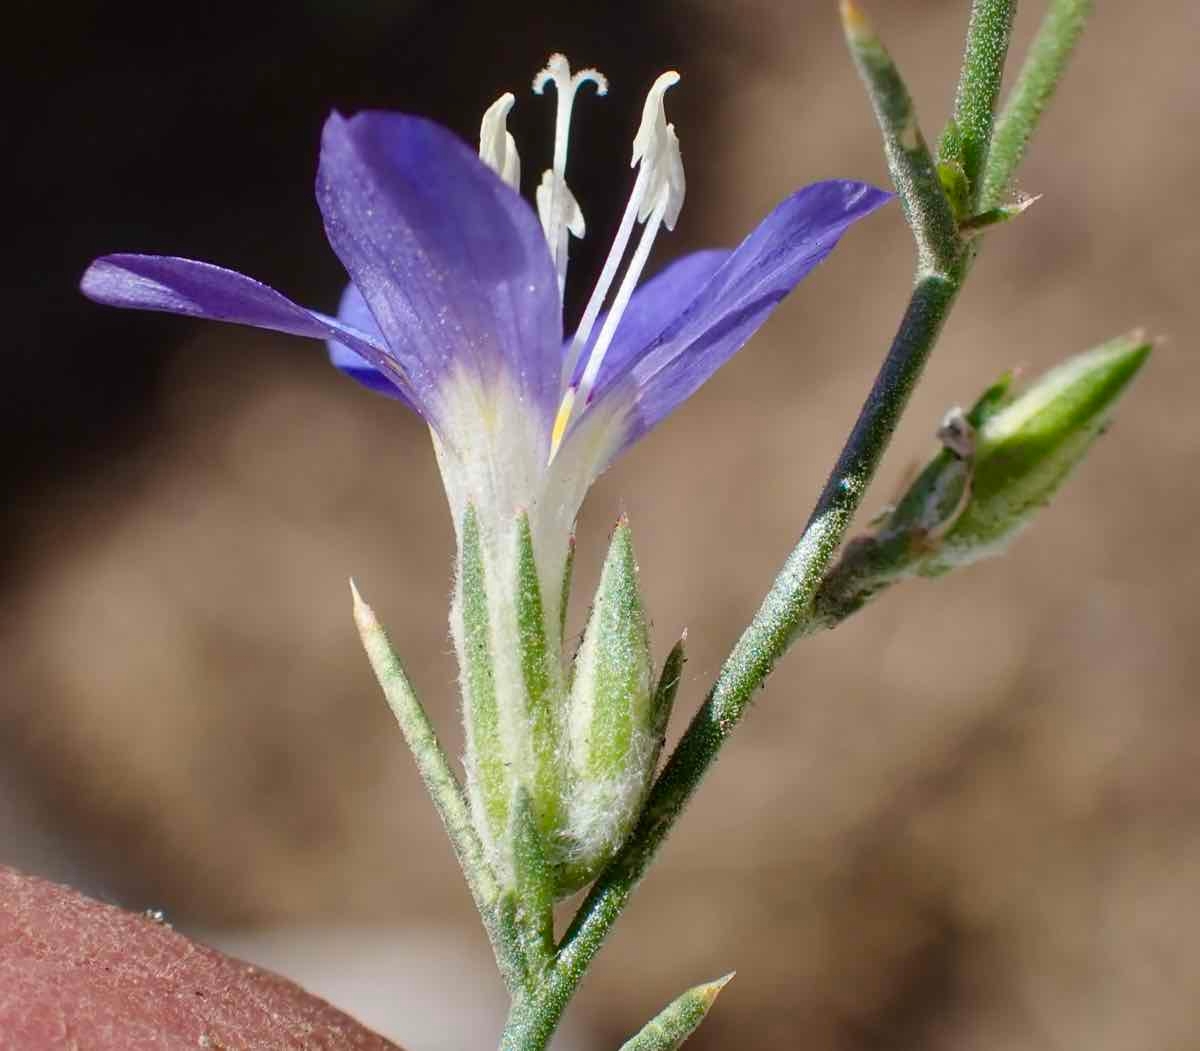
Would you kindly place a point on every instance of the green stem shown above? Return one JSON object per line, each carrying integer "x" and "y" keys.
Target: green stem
{"x": 1043, "y": 69}
{"x": 911, "y": 165}
{"x": 780, "y": 618}
{"x": 943, "y": 261}
{"x": 988, "y": 36}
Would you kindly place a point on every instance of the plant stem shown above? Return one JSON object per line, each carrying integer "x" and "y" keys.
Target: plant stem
{"x": 911, "y": 165}
{"x": 944, "y": 258}
{"x": 988, "y": 36}
{"x": 1043, "y": 69}
{"x": 779, "y": 619}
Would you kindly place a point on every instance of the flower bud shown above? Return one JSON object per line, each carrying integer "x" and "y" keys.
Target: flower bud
{"x": 1025, "y": 449}
{"x": 999, "y": 465}
{"x": 615, "y": 725}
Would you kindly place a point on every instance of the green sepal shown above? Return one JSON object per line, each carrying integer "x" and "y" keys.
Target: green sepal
{"x": 991, "y": 401}
{"x": 565, "y": 592}
{"x": 612, "y": 720}
{"x": 534, "y": 885}
{"x": 540, "y": 674}
{"x": 667, "y": 1030}
{"x": 616, "y": 653}
{"x": 485, "y": 748}
{"x": 668, "y": 686}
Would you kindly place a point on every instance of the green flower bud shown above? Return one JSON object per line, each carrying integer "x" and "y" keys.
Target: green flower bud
{"x": 1025, "y": 449}
{"x": 999, "y": 465}
{"x": 614, "y": 725}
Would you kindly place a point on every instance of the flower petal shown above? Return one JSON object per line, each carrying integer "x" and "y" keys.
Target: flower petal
{"x": 194, "y": 289}
{"x": 451, "y": 262}
{"x": 653, "y": 306}
{"x": 739, "y": 297}
{"x": 353, "y": 311}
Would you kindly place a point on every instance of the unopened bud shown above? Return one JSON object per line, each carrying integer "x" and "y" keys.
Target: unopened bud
{"x": 999, "y": 465}
{"x": 1025, "y": 449}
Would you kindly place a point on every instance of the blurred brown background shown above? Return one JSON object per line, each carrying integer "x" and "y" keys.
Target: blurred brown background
{"x": 969, "y": 818}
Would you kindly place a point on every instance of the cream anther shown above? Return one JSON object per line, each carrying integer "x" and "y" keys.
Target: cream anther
{"x": 545, "y": 201}
{"x": 496, "y": 146}
{"x": 657, "y": 149}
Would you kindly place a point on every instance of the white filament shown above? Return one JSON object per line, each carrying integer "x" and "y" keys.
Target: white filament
{"x": 656, "y": 200}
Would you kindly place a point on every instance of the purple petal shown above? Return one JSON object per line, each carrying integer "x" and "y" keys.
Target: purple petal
{"x": 194, "y": 289}
{"x": 451, "y": 262}
{"x": 353, "y": 311}
{"x": 653, "y": 306}
{"x": 739, "y": 297}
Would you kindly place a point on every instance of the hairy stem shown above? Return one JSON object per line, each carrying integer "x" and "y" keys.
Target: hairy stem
{"x": 988, "y": 37}
{"x": 944, "y": 257}
{"x": 911, "y": 165}
{"x": 1043, "y": 69}
{"x": 778, "y": 621}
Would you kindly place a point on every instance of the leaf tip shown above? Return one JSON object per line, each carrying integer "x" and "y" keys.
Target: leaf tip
{"x": 711, "y": 990}
{"x": 856, "y": 23}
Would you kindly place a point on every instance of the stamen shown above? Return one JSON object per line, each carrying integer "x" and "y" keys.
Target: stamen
{"x": 628, "y": 283}
{"x": 656, "y": 200}
{"x": 496, "y": 146}
{"x": 545, "y": 197}
{"x": 558, "y": 209}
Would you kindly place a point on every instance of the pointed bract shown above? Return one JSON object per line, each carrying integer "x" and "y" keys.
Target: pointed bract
{"x": 613, "y": 734}
{"x": 668, "y": 1030}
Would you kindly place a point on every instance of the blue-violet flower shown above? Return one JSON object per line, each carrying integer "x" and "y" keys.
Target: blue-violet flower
{"x": 454, "y": 308}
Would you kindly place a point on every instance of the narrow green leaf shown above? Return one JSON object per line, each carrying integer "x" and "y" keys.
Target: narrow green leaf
{"x": 534, "y": 884}
{"x": 669, "y": 1029}
{"x": 1035, "y": 86}
{"x": 910, "y": 163}
{"x": 974, "y": 225}
{"x": 988, "y": 37}
{"x": 443, "y": 787}
{"x": 485, "y": 748}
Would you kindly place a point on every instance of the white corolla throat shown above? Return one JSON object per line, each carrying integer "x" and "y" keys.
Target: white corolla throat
{"x": 656, "y": 200}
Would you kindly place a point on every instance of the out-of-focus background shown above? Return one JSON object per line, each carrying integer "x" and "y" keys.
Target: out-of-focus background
{"x": 970, "y": 817}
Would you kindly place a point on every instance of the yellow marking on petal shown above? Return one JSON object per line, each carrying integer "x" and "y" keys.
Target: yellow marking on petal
{"x": 561, "y": 420}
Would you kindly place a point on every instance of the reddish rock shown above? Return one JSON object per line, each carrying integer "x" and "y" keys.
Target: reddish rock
{"x": 77, "y": 974}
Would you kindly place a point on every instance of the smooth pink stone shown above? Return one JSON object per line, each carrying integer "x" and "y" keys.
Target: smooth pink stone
{"x": 78, "y": 974}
